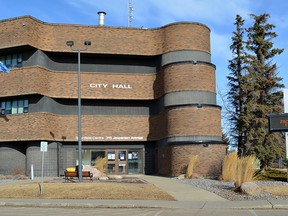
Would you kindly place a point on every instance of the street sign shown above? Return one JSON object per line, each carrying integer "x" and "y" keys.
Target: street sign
{"x": 44, "y": 146}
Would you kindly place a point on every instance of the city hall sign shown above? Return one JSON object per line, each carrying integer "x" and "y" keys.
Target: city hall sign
{"x": 113, "y": 86}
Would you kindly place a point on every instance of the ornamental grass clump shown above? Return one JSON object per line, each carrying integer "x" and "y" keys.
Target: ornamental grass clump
{"x": 229, "y": 167}
{"x": 238, "y": 169}
{"x": 193, "y": 160}
{"x": 246, "y": 169}
{"x": 100, "y": 164}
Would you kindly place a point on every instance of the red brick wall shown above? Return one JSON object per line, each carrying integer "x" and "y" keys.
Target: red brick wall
{"x": 143, "y": 86}
{"x": 191, "y": 121}
{"x": 182, "y": 77}
{"x": 44, "y": 126}
{"x": 115, "y": 40}
{"x": 31, "y": 80}
{"x": 34, "y": 126}
{"x": 173, "y": 160}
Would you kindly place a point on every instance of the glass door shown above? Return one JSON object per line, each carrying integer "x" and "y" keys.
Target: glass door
{"x": 117, "y": 161}
{"x": 122, "y": 162}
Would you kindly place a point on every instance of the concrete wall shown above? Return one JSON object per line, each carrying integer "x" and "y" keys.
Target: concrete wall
{"x": 12, "y": 158}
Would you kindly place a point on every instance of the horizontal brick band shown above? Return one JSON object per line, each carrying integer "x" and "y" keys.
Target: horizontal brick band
{"x": 31, "y": 80}
{"x": 105, "y": 39}
{"x": 175, "y": 122}
{"x": 186, "y": 76}
{"x": 51, "y": 127}
{"x": 38, "y": 80}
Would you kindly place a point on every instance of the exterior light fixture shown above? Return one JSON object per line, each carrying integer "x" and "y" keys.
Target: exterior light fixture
{"x": 70, "y": 43}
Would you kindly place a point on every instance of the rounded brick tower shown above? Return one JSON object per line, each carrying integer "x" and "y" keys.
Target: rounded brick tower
{"x": 190, "y": 113}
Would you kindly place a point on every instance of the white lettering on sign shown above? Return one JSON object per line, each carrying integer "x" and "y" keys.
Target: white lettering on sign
{"x": 114, "y": 86}
{"x": 121, "y": 86}
{"x": 98, "y": 85}
{"x": 98, "y": 138}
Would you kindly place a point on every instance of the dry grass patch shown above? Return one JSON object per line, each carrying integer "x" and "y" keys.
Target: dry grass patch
{"x": 85, "y": 191}
{"x": 100, "y": 164}
{"x": 246, "y": 169}
{"x": 238, "y": 169}
{"x": 192, "y": 162}
{"x": 229, "y": 167}
{"x": 278, "y": 191}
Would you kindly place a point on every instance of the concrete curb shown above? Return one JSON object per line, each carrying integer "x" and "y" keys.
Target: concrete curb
{"x": 53, "y": 203}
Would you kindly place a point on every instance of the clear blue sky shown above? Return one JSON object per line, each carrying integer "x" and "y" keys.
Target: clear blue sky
{"x": 218, "y": 15}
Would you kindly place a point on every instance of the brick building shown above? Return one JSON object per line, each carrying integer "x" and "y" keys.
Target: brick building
{"x": 148, "y": 98}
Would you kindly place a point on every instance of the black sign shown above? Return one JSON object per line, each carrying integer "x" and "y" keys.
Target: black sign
{"x": 278, "y": 122}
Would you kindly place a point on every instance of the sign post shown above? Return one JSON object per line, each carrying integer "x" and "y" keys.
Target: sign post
{"x": 279, "y": 122}
{"x": 286, "y": 111}
{"x": 43, "y": 149}
{"x": 286, "y": 134}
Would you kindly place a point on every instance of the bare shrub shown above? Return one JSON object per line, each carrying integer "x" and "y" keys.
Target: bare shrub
{"x": 100, "y": 164}
{"x": 21, "y": 177}
{"x": 229, "y": 167}
{"x": 193, "y": 160}
{"x": 3, "y": 177}
{"x": 17, "y": 171}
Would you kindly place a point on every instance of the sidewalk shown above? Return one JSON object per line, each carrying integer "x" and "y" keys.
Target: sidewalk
{"x": 187, "y": 196}
{"x": 182, "y": 192}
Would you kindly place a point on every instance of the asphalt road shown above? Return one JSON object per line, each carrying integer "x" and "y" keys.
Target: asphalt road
{"x": 33, "y": 211}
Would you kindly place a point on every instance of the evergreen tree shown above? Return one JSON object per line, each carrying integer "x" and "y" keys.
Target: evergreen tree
{"x": 263, "y": 91}
{"x": 236, "y": 79}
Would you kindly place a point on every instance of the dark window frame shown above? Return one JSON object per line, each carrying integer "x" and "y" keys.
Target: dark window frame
{"x": 8, "y": 60}
{"x": 6, "y": 106}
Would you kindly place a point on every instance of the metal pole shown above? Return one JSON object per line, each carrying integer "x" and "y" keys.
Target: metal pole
{"x": 79, "y": 123}
{"x": 71, "y": 44}
{"x": 32, "y": 172}
{"x": 42, "y": 173}
{"x": 286, "y": 133}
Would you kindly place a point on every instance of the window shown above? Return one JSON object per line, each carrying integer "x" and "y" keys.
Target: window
{"x": 12, "y": 61}
{"x": 14, "y": 106}
{"x": 20, "y": 106}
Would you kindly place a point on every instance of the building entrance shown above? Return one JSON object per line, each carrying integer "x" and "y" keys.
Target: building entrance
{"x": 119, "y": 161}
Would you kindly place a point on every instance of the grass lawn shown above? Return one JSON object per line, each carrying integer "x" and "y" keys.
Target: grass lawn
{"x": 85, "y": 190}
{"x": 274, "y": 175}
{"x": 278, "y": 191}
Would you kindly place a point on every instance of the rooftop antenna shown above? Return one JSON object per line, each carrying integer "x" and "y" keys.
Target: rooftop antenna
{"x": 130, "y": 13}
